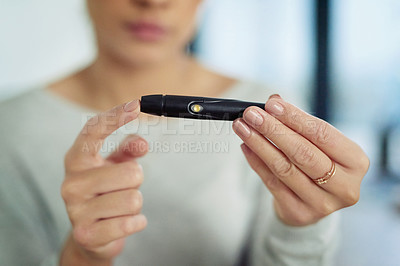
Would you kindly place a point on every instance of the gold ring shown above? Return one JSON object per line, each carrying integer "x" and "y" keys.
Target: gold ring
{"x": 328, "y": 175}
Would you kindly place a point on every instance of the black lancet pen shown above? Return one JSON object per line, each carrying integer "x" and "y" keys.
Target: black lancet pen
{"x": 194, "y": 107}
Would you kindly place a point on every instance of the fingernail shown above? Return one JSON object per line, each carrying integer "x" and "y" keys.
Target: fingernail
{"x": 275, "y": 96}
{"x": 241, "y": 129}
{"x": 131, "y": 106}
{"x": 253, "y": 117}
{"x": 274, "y": 107}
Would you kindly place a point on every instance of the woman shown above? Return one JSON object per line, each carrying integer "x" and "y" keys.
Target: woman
{"x": 203, "y": 204}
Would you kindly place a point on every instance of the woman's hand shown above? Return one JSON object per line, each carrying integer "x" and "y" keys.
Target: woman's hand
{"x": 290, "y": 149}
{"x": 101, "y": 195}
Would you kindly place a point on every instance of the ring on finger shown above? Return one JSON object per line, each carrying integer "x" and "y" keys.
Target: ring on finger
{"x": 327, "y": 176}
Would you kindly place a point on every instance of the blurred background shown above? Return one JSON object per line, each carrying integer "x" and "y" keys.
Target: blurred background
{"x": 338, "y": 59}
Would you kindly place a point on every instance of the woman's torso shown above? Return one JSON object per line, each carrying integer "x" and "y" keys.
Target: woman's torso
{"x": 199, "y": 193}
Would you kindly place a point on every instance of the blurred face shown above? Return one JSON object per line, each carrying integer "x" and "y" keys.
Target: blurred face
{"x": 138, "y": 32}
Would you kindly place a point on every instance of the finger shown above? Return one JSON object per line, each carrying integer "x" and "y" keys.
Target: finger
{"x": 278, "y": 189}
{"x": 344, "y": 191}
{"x": 90, "y": 183}
{"x": 305, "y": 155}
{"x": 289, "y": 206}
{"x": 281, "y": 167}
{"x": 326, "y": 137}
{"x": 91, "y": 138}
{"x": 132, "y": 147}
{"x": 106, "y": 231}
{"x": 114, "y": 204}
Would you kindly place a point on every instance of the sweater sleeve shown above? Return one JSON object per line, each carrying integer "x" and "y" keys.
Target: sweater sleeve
{"x": 26, "y": 230}
{"x": 275, "y": 243}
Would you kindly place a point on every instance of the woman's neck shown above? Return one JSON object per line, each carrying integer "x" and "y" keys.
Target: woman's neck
{"x": 106, "y": 83}
{"x": 112, "y": 83}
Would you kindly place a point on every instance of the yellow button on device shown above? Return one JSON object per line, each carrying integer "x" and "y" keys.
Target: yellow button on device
{"x": 196, "y": 108}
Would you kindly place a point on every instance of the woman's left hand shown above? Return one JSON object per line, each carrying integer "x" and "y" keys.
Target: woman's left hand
{"x": 291, "y": 151}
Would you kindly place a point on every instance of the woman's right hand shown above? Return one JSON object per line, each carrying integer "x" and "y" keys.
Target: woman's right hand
{"x": 101, "y": 194}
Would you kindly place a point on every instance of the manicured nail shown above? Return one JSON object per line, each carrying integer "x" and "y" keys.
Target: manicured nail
{"x": 241, "y": 129}
{"x": 253, "y": 117}
{"x": 131, "y": 106}
{"x": 274, "y": 107}
{"x": 275, "y": 96}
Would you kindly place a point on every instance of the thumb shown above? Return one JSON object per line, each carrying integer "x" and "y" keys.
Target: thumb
{"x": 130, "y": 148}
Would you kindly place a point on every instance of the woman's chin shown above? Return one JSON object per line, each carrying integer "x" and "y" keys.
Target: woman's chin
{"x": 141, "y": 57}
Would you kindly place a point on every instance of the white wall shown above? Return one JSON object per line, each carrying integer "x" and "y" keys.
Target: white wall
{"x": 366, "y": 60}
{"x": 40, "y": 41}
{"x": 265, "y": 40}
